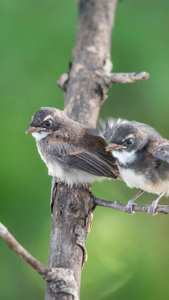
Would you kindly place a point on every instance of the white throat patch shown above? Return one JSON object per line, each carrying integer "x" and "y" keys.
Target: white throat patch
{"x": 124, "y": 157}
{"x": 40, "y": 135}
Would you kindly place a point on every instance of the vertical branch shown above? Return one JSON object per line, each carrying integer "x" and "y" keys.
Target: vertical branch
{"x": 85, "y": 92}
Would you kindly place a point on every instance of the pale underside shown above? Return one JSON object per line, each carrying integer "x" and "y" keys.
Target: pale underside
{"x": 72, "y": 176}
{"x": 135, "y": 180}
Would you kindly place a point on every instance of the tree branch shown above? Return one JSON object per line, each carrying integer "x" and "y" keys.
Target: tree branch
{"x": 125, "y": 77}
{"x": 164, "y": 209}
{"x": 59, "y": 280}
{"x": 22, "y": 252}
{"x": 84, "y": 93}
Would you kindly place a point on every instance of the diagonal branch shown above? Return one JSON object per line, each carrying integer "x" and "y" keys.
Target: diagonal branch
{"x": 22, "y": 252}
{"x": 164, "y": 209}
{"x": 59, "y": 280}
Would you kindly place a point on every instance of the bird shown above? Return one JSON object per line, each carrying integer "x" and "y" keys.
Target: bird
{"x": 142, "y": 156}
{"x": 70, "y": 152}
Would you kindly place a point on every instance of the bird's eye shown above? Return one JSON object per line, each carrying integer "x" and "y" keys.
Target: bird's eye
{"x": 129, "y": 141}
{"x": 48, "y": 123}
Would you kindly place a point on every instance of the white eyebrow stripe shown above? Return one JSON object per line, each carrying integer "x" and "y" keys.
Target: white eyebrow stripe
{"x": 48, "y": 117}
{"x": 129, "y": 136}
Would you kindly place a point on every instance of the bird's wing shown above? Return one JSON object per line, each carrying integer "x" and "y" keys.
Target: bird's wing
{"x": 99, "y": 164}
{"x": 160, "y": 150}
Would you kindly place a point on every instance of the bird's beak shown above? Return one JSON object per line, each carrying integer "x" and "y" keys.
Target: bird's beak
{"x": 34, "y": 129}
{"x": 114, "y": 147}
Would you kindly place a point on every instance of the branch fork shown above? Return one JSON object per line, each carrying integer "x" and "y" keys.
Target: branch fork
{"x": 109, "y": 79}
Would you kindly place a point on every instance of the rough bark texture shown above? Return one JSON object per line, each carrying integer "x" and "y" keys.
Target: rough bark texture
{"x": 86, "y": 89}
{"x": 85, "y": 92}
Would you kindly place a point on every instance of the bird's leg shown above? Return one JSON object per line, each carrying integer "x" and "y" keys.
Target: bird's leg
{"x": 152, "y": 207}
{"x": 129, "y": 206}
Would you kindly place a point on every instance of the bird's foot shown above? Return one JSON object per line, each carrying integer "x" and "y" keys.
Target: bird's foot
{"x": 152, "y": 208}
{"x": 129, "y": 207}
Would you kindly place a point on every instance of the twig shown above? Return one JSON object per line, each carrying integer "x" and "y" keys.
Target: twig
{"x": 58, "y": 279}
{"x": 61, "y": 82}
{"x": 16, "y": 247}
{"x": 125, "y": 77}
{"x": 164, "y": 209}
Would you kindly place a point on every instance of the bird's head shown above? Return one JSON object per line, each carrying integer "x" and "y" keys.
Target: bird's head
{"x": 125, "y": 138}
{"x": 45, "y": 121}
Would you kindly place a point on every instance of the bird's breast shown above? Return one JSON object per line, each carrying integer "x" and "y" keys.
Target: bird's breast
{"x": 134, "y": 179}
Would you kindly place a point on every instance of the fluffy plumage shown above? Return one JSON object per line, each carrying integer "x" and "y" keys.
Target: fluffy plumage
{"x": 71, "y": 154}
{"x": 142, "y": 157}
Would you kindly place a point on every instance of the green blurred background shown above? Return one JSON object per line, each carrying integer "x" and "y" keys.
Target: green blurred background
{"x": 127, "y": 255}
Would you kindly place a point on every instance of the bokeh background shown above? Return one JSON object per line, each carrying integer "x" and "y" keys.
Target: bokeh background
{"x": 127, "y": 255}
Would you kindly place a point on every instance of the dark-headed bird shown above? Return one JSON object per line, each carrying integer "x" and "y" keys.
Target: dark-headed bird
{"x": 142, "y": 157}
{"x": 71, "y": 154}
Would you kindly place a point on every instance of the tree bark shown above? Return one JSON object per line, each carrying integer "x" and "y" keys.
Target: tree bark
{"x": 85, "y": 91}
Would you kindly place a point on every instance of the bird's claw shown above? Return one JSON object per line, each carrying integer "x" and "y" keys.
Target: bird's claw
{"x": 152, "y": 208}
{"x": 129, "y": 207}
